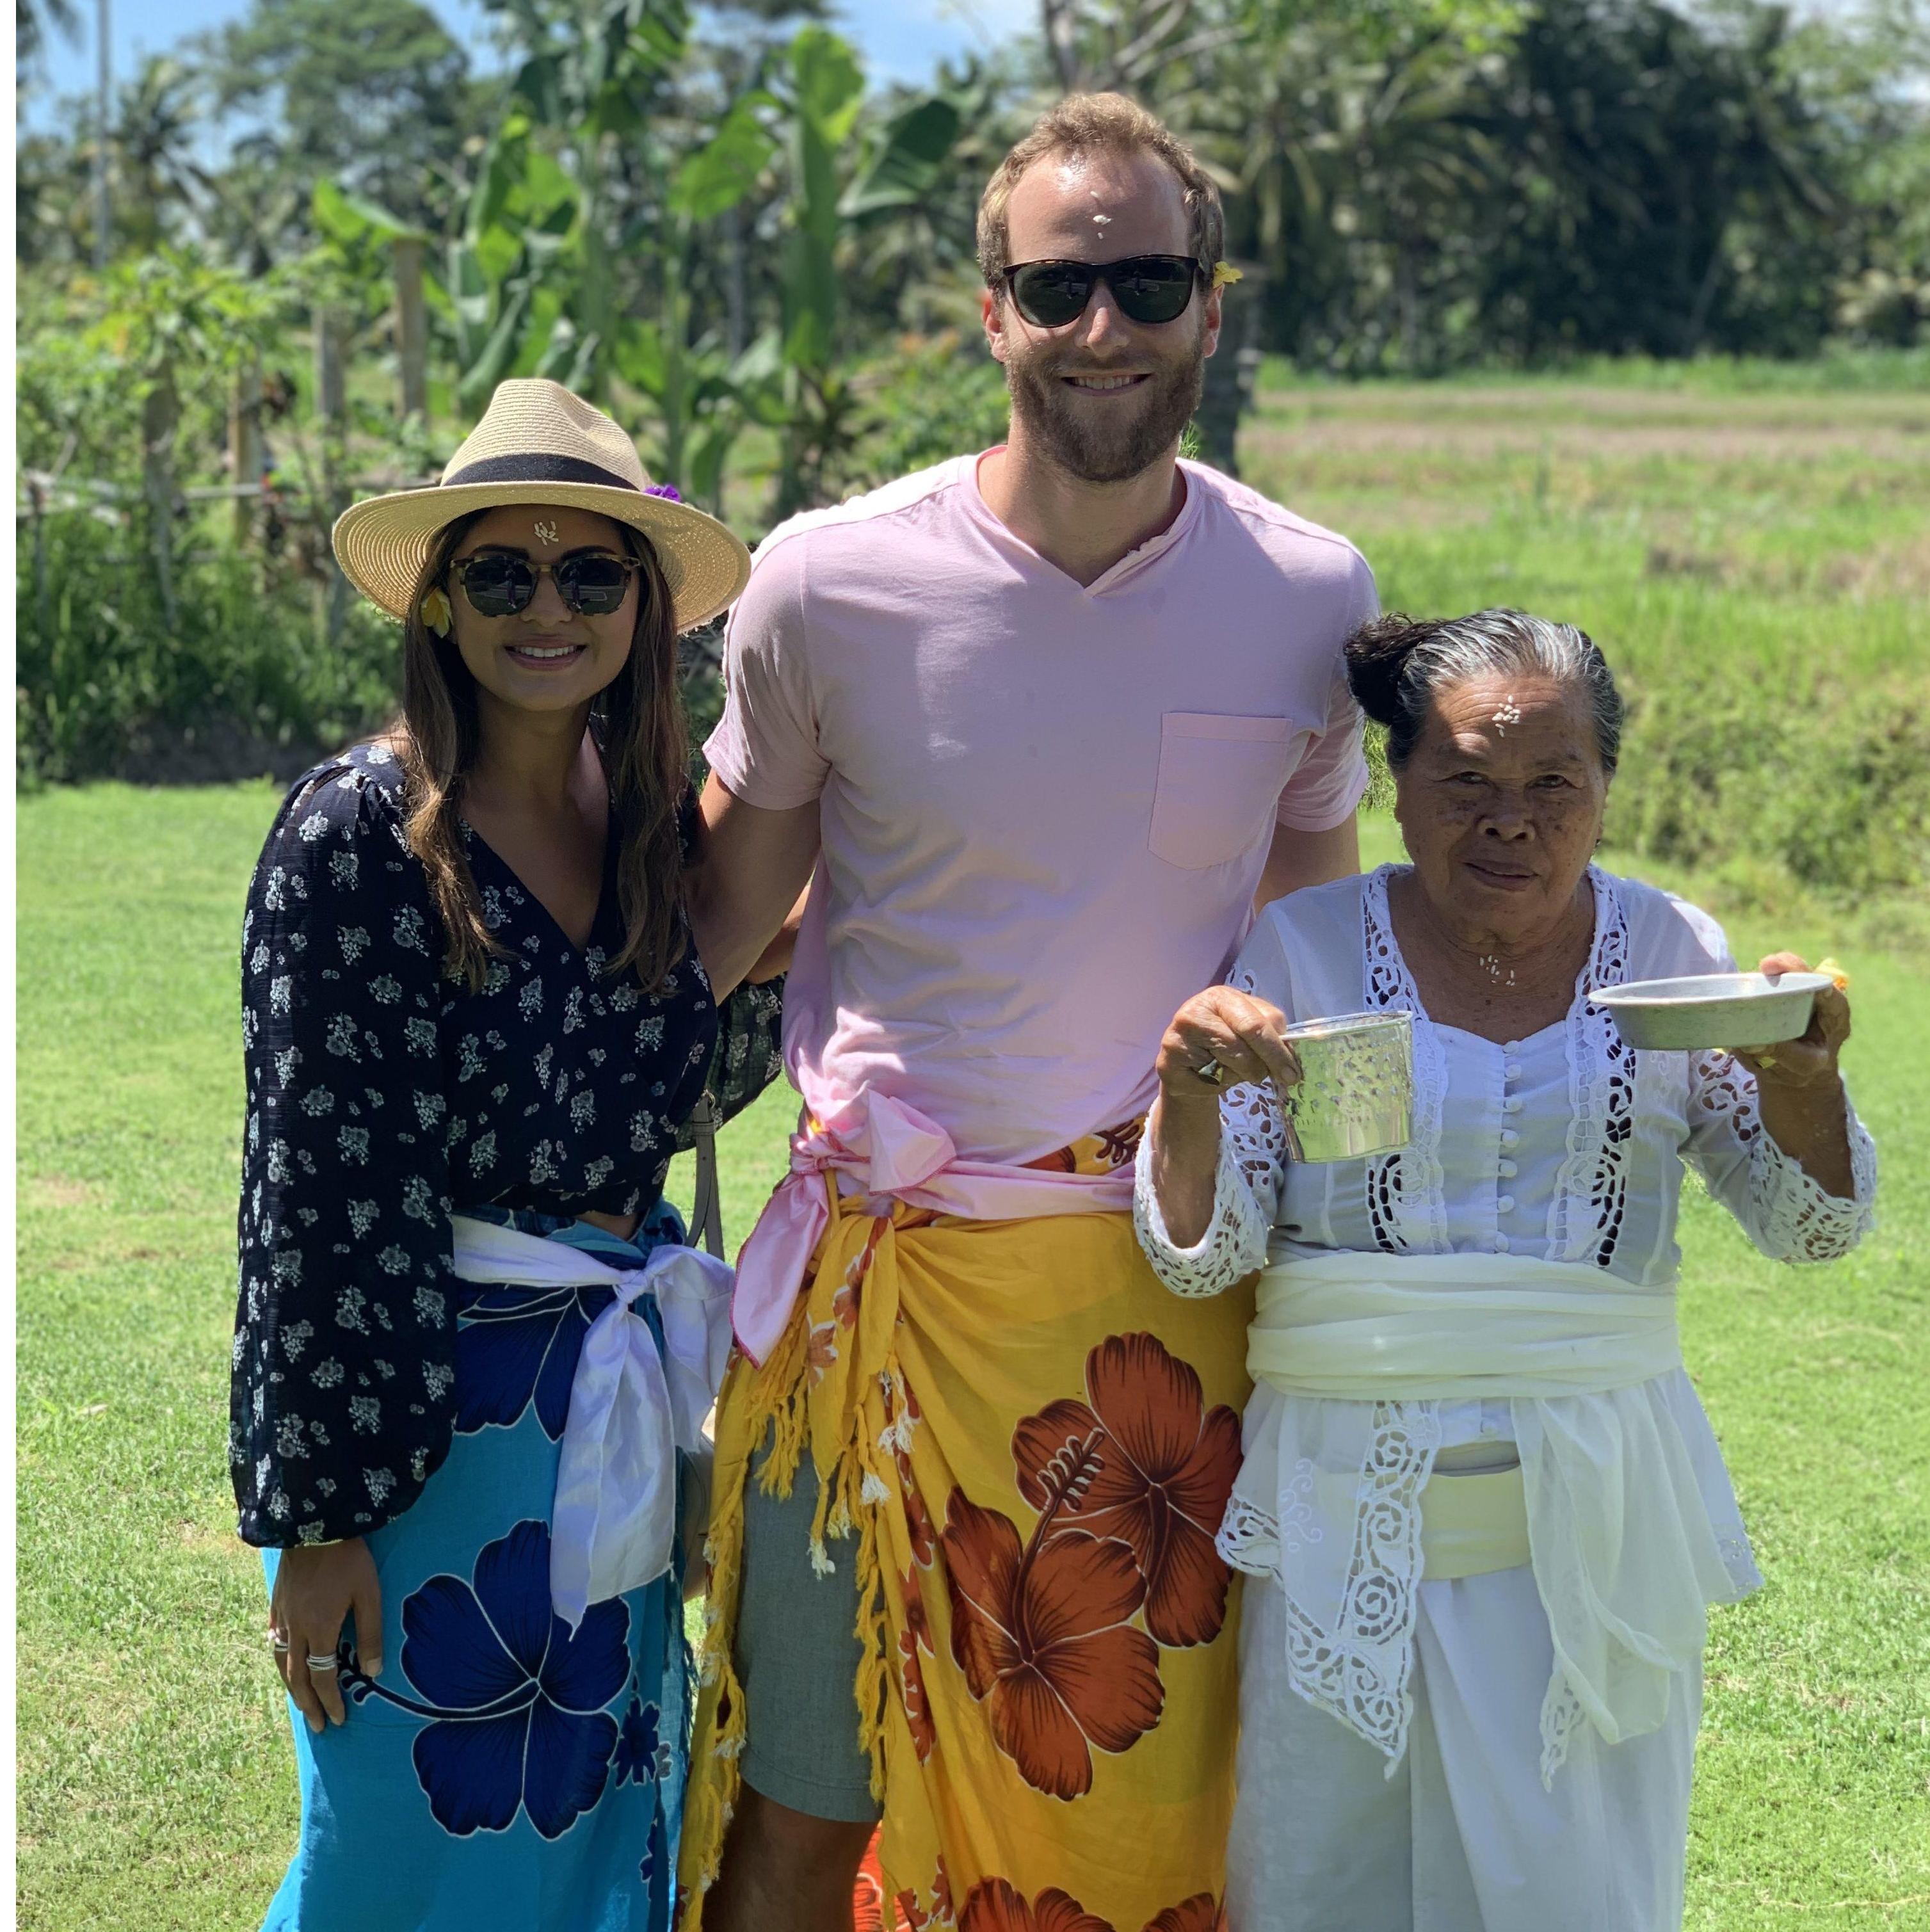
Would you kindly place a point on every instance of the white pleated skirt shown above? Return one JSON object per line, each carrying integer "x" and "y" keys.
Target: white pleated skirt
{"x": 1462, "y": 1837}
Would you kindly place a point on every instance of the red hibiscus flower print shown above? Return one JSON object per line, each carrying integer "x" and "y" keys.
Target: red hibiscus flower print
{"x": 916, "y": 1636}
{"x": 1041, "y": 1631}
{"x": 917, "y": 1518}
{"x": 919, "y": 1916}
{"x": 1203, "y": 1913}
{"x": 1143, "y": 1459}
{"x": 821, "y": 1349}
{"x": 868, "y": 1894}
{"x": 851, "y": 1291}
{"x": 994, "y": 1905}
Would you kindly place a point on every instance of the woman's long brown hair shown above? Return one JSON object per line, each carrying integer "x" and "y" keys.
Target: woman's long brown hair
{"x": 645, "y": 752}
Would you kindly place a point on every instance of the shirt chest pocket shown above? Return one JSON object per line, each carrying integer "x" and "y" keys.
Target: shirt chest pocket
{"x": 1220, "y": 783}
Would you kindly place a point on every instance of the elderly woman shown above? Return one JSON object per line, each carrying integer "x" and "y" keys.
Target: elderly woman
{"x": 1481, "y": 1505}
{"x": 472, "y": 1354}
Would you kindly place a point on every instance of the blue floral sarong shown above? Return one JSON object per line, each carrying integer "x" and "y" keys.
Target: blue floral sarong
{"x": 501, "y": 1772}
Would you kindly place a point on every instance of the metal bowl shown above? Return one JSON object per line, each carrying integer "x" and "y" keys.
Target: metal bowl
{"x": 1718, "y": 1010}
{"x": 1356, "y": 1092}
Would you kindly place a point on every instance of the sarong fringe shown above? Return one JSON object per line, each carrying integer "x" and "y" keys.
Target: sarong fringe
{"x": 777, "y": 1409}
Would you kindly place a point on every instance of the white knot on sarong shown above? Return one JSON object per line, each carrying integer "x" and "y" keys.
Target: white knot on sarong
{"x": 631, "y": 1406}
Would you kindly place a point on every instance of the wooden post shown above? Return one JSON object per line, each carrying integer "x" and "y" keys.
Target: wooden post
{"x": 160, "y": 414}
{"x": 244, "y": 445}
{"x": 331, "y": 403}
{"x": 412, "y": 327}
{"x": 331, "y": 394}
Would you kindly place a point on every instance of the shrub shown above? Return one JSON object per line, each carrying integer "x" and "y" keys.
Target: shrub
{"x": 241, "y": 681}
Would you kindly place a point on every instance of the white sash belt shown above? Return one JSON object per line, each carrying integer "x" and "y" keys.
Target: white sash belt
{"x": 614, "y": 1525}
{"x": 1632, "y": 1530}
{"x": 1360, "y": 1328}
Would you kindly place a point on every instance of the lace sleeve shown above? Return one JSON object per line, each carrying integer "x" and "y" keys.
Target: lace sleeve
{"x": 1787, "y": 1215}
{"x": 1246, "y": 1185}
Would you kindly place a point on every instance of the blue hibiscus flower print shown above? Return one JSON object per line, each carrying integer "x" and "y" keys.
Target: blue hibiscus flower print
{"x": 516, "y": 1704}
{"x": 514, "y": 1347}
{"x": 642, "y": 1756}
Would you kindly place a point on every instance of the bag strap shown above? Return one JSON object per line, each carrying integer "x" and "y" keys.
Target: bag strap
{"x": 706, "y": 1207}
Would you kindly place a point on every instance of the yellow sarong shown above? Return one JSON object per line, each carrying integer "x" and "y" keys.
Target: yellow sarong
{"x": 1024, "y": 1442}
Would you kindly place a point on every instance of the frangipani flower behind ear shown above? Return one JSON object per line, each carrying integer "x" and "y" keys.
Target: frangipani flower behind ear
{"x": 436, "y": 611}
{"x": 1225, "y": 275}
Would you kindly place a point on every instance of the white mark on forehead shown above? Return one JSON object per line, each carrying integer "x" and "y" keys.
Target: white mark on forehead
{"x": 1510, "y": 713}
{"x": 545, "y": 533}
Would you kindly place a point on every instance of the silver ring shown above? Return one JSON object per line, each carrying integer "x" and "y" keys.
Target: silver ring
{"x": 330, "y": 1662}
{"x": 1212, "y": 1072}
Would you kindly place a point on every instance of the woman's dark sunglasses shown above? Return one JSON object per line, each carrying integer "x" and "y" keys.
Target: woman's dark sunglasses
{"x": 1147, "y": 288}
{"x": 500, "y": 584}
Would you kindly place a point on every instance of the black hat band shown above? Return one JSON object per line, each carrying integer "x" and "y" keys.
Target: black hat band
{"x": 538, "y": 469}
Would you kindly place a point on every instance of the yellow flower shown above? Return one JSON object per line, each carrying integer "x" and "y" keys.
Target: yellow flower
{"x": 1225, "y": 275}
{"x": 436, "y": 613}
{"x": 1836, "y": 972}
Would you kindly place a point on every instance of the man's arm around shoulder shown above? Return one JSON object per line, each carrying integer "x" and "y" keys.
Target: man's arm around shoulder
{"x": 1297, "y": 859}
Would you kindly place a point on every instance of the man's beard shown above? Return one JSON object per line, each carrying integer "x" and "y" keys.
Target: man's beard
{"x": 1104, "y": 452}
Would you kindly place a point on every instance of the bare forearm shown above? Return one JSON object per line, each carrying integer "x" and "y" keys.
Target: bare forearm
{"x": 1298, "y": 859}
{"x": 1812, "y": 1125}
{"x": 750, "y": 867}
{"x": 1185, "y": 1159}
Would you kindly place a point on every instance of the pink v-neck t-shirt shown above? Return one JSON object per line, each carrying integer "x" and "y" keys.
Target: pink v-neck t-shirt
{"x": 1045, "y": 807}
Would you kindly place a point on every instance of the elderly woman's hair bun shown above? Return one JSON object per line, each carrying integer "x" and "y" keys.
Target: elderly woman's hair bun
{"x": 1397, "y": 666}
{"x": 1377, "y": 656}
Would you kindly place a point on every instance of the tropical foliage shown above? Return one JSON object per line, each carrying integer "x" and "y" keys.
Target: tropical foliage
{"x": 335, "y": 228}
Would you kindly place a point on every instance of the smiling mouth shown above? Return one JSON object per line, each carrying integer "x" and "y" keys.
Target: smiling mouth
{"x": 546, "y": 654}
{"x": 1102, "y": 386}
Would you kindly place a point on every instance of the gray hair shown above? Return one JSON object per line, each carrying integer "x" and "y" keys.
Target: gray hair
{"x": 1397, "y": 665}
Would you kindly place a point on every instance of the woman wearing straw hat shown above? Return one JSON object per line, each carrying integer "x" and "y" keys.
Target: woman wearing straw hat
{"x": 471, "y": 1353}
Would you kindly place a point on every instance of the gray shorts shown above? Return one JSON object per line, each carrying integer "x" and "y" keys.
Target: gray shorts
{"x": 797, "y": 1654}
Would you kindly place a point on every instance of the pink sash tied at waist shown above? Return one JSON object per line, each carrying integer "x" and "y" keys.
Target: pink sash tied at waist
{"x": 886, "y": 1150}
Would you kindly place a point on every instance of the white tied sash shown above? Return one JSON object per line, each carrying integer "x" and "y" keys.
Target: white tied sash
{"x": 1626, "y": 1553}
{"x": 614, "y": 1526}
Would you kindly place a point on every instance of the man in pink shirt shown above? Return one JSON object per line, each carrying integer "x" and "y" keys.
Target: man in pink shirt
{"x": 1047, "y": 722}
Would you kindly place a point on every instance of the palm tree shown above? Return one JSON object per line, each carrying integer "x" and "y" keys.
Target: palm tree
{"x": 152, "y": 146}
{"x": 35, "y": 23}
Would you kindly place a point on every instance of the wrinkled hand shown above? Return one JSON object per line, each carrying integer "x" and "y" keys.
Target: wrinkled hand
{"x": 1810, "y": 1062}
{"x": 316, "y": 1586}
{"x": 1242, "y": 1035}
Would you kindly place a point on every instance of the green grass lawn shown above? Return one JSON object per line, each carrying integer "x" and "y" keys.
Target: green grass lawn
{"x": 1783, "y": 541}
{"x": 156, "y": 1788}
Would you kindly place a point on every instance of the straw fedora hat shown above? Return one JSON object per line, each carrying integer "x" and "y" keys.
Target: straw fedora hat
{"x": 539, "y": 443}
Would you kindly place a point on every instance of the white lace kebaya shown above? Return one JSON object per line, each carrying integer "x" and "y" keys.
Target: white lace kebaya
{"x": 1559, "y": 1158}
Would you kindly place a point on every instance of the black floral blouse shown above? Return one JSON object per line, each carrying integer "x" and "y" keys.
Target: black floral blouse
{"x": 383, "y": 1096}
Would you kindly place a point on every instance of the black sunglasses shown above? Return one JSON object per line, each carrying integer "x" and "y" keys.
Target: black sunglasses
{"x": 1148, "y": 288}
{"x": 499, "y": 583}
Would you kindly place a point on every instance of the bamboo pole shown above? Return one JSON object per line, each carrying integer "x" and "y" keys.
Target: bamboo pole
{"x": 412, "y": 327}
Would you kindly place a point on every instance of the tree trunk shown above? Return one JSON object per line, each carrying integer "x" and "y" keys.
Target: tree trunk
{"x": 412, "y": 327}
{"x": 1230, "y": 371}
